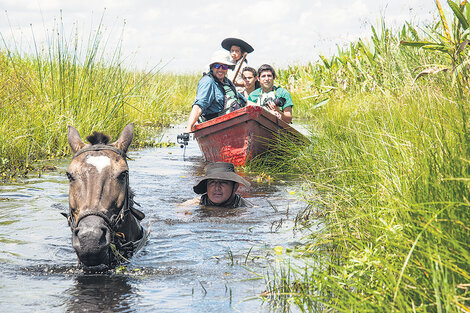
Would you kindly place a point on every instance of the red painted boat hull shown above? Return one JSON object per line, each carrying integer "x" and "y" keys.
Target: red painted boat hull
{"x": 240, "y": 135}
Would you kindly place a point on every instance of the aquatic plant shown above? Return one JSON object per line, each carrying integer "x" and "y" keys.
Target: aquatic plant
{"x": 387, "y": 182}
{"x": 449, "y": 39}
{"x": 82, "y": 83}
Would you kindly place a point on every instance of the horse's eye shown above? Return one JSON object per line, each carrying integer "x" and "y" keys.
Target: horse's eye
{"x": 123, "y": 176}
{"x": 70, "y": 177}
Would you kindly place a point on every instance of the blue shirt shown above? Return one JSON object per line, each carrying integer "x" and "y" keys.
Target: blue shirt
{"x": 210, "y": 96}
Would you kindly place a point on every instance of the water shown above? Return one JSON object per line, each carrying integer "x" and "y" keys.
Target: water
{"x": 196, "y": 260}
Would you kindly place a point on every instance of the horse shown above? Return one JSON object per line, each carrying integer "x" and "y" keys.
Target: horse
{"x": 105, "y": 225}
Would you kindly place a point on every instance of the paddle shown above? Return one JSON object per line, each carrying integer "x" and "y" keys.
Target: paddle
{"x": 240, "y": 66}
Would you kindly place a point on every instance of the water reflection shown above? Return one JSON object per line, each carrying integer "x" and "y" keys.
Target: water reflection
{"x": 220, "y": 212}
{"x": 101, "y": 293}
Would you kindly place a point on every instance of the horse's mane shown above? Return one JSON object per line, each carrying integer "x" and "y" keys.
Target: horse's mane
{"x": 98, "y": 138}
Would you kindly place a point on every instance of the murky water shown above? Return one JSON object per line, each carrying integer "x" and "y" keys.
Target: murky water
{"x": 196, "y": 260}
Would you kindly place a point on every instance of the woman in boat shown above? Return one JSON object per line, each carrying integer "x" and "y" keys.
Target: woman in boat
{"x": 250, "y": 80}
{"x": 216, "y": 95}
{"x": 275, "y": 99}
{"x": 238, "y": 48}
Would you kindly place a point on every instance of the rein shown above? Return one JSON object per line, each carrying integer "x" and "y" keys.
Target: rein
{"x": 123, "y": 248}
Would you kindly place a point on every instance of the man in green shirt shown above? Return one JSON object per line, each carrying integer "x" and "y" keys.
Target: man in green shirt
{"x": 275, "y": 99}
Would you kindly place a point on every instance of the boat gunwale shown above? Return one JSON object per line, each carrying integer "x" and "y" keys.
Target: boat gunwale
{"x": 268, "y": 120}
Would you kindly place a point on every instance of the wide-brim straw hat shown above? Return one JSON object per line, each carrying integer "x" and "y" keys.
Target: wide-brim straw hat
{"x": 222, "y": 57}
{"x": 229, "y": 42}
{"x": 219, "y": 170}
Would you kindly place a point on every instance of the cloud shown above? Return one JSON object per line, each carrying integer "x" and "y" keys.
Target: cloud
{"x": 185, "y": 33}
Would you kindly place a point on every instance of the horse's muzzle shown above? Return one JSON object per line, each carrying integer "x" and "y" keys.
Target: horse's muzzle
{"x": 91, "y": 239}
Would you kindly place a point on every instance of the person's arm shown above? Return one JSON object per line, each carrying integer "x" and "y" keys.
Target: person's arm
{"x": 238, "y": 81}
{"x": 204, "y": 97}
{"x": 242, "y": 98}
{"x": 193, "y": 116}
{"x": 287, "y": 109}
{"x": 287, "y": 115}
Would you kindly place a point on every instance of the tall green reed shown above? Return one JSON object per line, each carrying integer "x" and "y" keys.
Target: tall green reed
{"x": 394, "y": 194}
{"x": 82, "y": 83}
{"x": 388, "y": 168}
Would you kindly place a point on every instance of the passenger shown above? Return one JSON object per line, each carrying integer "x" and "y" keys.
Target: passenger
{"x": 238, "y": 48}
{"x": 275, "y": 99}
{"x": 216, "y": 94}
{"x": 250, "y": 78}
{"x": 219, "y": 186}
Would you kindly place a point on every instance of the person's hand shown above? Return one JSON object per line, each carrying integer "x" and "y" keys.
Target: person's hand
{"x": 273, "y": 107}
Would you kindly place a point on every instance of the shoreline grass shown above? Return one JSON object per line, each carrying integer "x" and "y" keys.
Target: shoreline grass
{"x": 389, "y": 172}
{"x": 65, "y": 84}
{"x": 395, "y": 203}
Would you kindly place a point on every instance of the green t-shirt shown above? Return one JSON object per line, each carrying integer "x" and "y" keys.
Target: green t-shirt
{"x": 260, "y": 98}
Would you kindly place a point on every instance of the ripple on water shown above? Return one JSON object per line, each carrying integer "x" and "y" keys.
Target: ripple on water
{"x": 194, "y": 260}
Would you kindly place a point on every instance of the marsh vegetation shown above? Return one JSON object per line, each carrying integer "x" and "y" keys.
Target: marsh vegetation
{"x": 386, "y": 177}
{"x": 80, "y": 83}
{"x": 387, "y": 172}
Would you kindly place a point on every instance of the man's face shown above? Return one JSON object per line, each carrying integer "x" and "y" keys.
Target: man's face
{"x": 249, "y": 79}
{"x": 219, "y": 72}
{"x": 266, "y": 79}
{"x": 219, "y": 190}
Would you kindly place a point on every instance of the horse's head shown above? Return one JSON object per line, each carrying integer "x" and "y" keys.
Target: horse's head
{"x": 99, "y": 194}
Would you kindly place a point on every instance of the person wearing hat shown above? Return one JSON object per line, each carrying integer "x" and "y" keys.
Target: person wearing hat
{"x": 219, "y": 186}
{"x": 275, "y": 99}
{"x": 238, "y": 50}
{"x": 216, "y": 95}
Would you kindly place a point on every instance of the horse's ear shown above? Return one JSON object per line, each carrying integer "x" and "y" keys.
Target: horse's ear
{"x": 124, "y": 141}
{"x": 74, "y": 139}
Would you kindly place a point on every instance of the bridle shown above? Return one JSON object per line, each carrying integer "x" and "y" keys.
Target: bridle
{"x": 123, "y": 247}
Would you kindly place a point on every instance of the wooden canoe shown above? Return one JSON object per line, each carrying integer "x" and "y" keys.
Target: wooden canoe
{"x": 241, "y": 135}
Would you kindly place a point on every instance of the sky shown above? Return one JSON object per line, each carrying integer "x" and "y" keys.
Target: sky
{"x": 181, "y": 35}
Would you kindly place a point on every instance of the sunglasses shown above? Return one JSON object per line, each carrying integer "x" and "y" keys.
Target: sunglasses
{"x": 223, "y": 66}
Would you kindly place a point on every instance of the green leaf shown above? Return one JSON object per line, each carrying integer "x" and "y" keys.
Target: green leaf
{"x": 325, "y": 61}
{"x": 458, "y": 13}
{"x": 466, "y": 33}
{"x": 321, "y": 103}
{"x": 416, "y": 44}
{"x": 438, "y": 47}
{"x": 413, "y": 31}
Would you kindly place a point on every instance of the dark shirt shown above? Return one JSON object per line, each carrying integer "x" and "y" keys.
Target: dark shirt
{"x": 236, "y": 202}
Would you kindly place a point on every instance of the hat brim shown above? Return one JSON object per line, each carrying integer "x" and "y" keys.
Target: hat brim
{"x": 229, "y": 42}
{"x": 201, "y": 186}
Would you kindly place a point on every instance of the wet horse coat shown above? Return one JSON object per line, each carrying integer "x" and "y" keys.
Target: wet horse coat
{"x": 105, "y": 225}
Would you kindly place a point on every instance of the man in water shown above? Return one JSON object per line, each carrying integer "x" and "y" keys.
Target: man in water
{"x": 219, "y": 186}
